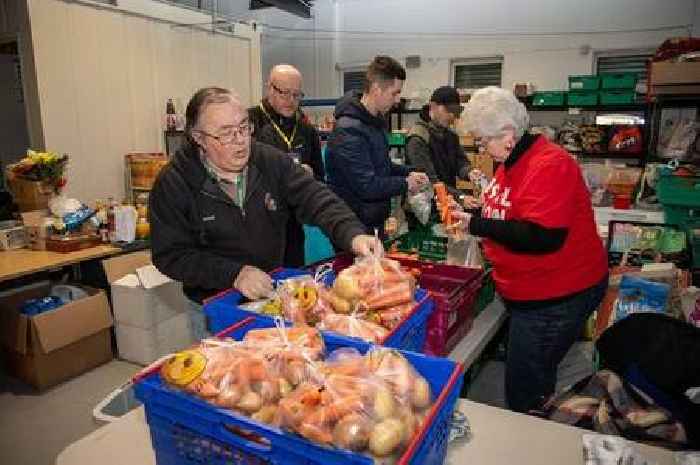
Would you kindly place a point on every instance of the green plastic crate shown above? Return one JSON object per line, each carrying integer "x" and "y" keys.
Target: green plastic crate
{"x": 584, "y": 83}
{"x": 583, "y": 99}
{"x": 397, "y": 139}
{"x": 618, "y": 80}
{"x": 422, "y": 241}
{"x": 685, "y": 217}
{"x": 694, "y": 241}
{"x": 617, "y": 97}
{"x": 678, "y": 190}
{"x": 486, "y": 293}
{"x": 548, "y": 99}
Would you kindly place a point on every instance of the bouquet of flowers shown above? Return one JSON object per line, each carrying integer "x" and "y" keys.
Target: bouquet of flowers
{"x": 45, "y": 167}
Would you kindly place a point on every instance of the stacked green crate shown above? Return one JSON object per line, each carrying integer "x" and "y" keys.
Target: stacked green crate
{"x": 680, "y": 196}
{"x": 548, "y": 98}
{"x": 583, "y": 91}
{"x": 617, "y": 88}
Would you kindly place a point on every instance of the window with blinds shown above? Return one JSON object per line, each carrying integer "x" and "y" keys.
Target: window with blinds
{"x": 478, "y": 73}
{"x": 353, "y": 80}
{"x": 632, "y": 63}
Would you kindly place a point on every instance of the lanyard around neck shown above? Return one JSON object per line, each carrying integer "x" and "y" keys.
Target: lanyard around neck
{"x": 288, "y": 140}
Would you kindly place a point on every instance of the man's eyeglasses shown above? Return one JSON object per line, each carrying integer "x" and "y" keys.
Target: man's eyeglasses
{"x": 229, "y": 135}
{"x": 288, "y": 93}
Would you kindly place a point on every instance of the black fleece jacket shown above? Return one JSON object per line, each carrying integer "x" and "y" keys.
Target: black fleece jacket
{"x": 202, "y": 239}
{"x": 519, "y": 235}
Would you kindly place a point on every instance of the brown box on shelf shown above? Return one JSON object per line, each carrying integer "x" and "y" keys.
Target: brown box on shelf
{"x": 668, "y": 77}
{"x": 144, "y": 168}
{"x": 72, "y": 243}
{"x": 29, "y": 195}
{"x": 54, "y": 346}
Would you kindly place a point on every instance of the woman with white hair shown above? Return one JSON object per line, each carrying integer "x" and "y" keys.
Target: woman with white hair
{"x": 539, "y": 233}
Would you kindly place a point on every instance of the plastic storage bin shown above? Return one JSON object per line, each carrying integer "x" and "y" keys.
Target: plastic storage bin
{"x": 453, "y": 290}
{"x": 428, "y": 246}
{"x": 397, "y": 139}
{"x": 678, "y": 190}
{"x": 548, "y": 99}
{"x": 584, "y": 82}
{"x": 618, "y": 80}
{"x": 617, "y": 97}
{"x": 486, "y": 294}
{"x": 582, "y": 99}
{"x": 186, "y": 430}
{"x": 222, "y": 311}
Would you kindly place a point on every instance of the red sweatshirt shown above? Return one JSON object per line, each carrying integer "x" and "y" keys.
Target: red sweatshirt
{"x": 544, "y": 186}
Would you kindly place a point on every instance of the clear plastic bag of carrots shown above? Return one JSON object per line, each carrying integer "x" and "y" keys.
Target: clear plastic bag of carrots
{"x": 250, "y": 376}
{"x": 354, "y": 404}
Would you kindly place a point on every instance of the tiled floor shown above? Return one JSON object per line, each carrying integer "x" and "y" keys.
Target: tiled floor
{"x": 34, "y": 428}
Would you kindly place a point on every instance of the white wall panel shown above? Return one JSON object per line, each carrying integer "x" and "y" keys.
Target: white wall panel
{"x": 104, "y": 76}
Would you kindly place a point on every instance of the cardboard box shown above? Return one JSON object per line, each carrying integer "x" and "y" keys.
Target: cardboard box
{"x": 665, "y": 73}
{"x": 29, "y": 195}
{"x": 675, "y": 78}
{"x": 141, "y": 296}
{"x": 144, "y": 346}
{"x": 54, "y": 346}
{"x": 37, "y": 224}
{"x": 151, "y": 311}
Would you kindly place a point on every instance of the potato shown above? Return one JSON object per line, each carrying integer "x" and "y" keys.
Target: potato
{"x": 295, "y": 372}
{"x": 268, "y": 390}
{"x": 251, "y": 402}
{"x": 339, "y": 304}
{"x": 410, "y": 425}
{"x": 384, "y": 404}
{"x": 266, "y": 414}
{"x": 347, "y": 287}
{"x": 284, "y": 387}
{"x": 229, "y": 397}
{"x": 386, "y": 437}
{"x": 420, "y": 396}
{"x": 352, "y": 432}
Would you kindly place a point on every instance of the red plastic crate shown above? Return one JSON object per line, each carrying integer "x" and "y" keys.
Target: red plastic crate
{"x": 454, "y": 290}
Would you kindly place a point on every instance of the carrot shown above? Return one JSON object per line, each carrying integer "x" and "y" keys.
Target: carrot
{"x": 391, "y": 295}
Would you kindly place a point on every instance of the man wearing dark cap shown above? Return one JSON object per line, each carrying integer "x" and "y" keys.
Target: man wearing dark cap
{"x": 432, "y": 147}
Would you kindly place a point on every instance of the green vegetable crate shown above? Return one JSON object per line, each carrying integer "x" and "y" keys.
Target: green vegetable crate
{"x": 617, "y": 97}
{"x": 618, "y": 80}
{"x": 548, "y": 99}
{"x": 583, "y": 99}
{"x": 577, "y": 83}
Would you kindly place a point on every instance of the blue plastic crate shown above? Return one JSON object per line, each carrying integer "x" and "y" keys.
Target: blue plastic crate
{"x": 186, "y": 430}
{"x": 223, "y": 311}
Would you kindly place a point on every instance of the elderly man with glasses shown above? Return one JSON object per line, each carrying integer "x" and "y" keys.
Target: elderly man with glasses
{"x": 219, "y": 210}
{"x": 279, "y": 122}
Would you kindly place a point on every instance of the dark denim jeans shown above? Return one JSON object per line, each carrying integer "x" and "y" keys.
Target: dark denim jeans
{"x": 538, "y": 340}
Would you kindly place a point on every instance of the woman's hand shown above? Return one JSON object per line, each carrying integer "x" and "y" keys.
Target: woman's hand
{"x": 470, "y": 202}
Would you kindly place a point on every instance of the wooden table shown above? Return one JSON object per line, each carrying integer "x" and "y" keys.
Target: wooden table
{"x": 499, "y": 437}
{"x": 22, "y": 262}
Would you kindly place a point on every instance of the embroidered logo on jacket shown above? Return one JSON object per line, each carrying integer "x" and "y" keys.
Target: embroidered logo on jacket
{"x": 270, "y": 203}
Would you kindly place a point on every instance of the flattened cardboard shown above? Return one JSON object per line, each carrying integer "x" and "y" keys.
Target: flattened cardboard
{"x": 118, "y": 267}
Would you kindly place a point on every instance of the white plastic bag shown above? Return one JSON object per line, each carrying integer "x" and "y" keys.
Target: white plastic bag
{"x": 421, "y": 204}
